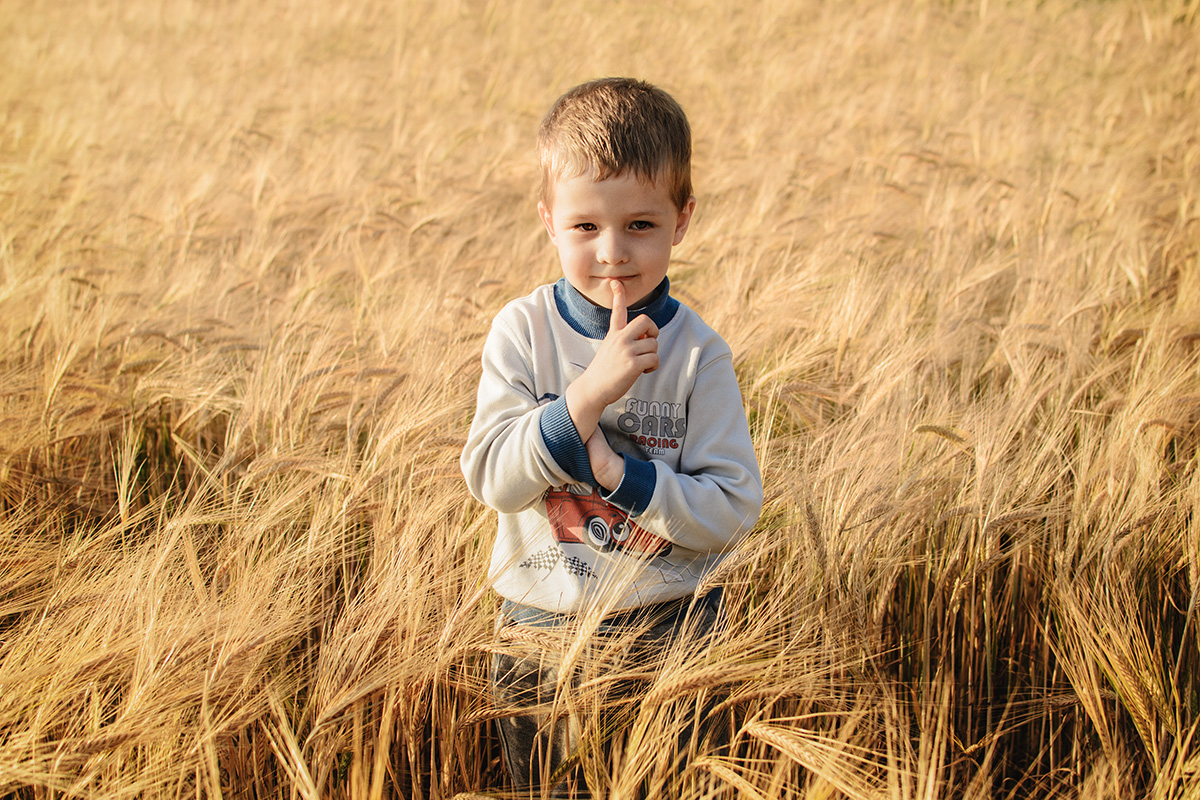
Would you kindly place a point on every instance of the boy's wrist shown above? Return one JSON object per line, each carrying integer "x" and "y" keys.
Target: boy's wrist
{"x": 583, "y": 407}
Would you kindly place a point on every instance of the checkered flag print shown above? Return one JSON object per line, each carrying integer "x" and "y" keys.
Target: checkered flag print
{"x": 543, "y": 559}
{"x": 579, "y": 567}
{"x": 548, "y": 557}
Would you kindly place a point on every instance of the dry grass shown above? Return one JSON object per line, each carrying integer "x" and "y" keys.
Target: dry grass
{"x": 248, "y": 253}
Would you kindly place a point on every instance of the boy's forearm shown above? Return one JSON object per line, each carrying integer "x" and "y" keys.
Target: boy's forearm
{"x": 507, "y": 461}
{"x": 586, "y": 408}
{"x": 500, "y": 467}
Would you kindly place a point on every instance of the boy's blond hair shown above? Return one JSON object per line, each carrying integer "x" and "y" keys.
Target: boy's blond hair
{"x": 610, "y": 126}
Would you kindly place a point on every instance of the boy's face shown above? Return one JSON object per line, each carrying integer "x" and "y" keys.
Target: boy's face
{"x": 619, "y": 228}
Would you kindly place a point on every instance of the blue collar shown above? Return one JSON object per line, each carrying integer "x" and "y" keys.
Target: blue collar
{"x": 591, "y": 320}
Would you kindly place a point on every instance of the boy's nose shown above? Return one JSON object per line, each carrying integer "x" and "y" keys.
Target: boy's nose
{"x": 610, "y": 251}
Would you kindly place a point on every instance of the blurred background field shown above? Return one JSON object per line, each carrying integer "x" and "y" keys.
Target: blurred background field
{"x": 248, "y": 254}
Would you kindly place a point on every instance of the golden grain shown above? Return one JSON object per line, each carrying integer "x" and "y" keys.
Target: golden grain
{"x": 248, "y": 256}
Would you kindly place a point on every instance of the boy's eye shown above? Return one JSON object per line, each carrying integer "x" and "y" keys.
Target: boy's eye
{"x": 586, "y": 226}
{"x": 641, "y": 225}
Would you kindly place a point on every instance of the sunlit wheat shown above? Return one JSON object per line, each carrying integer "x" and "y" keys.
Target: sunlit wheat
{"x": 248, "y": 256}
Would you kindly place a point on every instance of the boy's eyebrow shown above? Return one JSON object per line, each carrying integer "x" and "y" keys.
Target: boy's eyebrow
{"x": 631, "y": 214}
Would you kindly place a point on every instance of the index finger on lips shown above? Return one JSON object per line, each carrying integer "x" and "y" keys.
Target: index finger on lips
{"x": 620, "y": 315}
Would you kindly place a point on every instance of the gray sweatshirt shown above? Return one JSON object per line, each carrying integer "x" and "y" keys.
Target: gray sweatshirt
{"x": 691, "y": 486}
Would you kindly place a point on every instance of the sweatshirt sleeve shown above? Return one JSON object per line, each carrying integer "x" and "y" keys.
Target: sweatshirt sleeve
{"x": 716, "y": 495}
{"x": 507, "y": 461}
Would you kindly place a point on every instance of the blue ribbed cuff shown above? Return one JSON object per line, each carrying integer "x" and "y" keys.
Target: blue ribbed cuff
{"x": 637, "y": 486}
{"x": 561, "y": 438}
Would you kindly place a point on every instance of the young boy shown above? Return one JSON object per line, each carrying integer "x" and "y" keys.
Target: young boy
{"x": 609, "y": 432}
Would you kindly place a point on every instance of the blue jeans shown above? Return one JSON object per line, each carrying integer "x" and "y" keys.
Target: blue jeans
{"x": 537, "y": 740}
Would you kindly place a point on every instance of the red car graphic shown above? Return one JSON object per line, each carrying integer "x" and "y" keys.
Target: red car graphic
{"x": 590, "y": 519}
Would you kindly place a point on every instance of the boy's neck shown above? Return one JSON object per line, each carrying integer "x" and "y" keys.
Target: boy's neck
{"x": 592, "y": 320}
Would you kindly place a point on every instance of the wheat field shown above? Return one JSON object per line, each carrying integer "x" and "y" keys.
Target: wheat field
{"x": 248, "y": 256}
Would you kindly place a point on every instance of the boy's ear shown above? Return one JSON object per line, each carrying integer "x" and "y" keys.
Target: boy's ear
{"x": 684, "y": 219}
{"x": 547, "y": 220}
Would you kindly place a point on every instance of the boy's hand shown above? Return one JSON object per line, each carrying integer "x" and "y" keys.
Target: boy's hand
{"x": 626, "y": 352}
{"x": 629, "y": 350}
